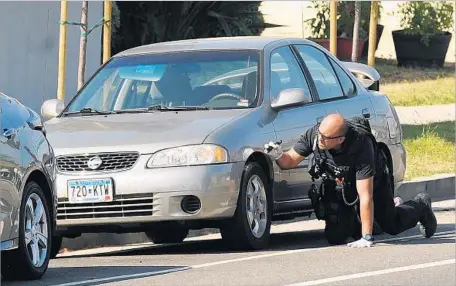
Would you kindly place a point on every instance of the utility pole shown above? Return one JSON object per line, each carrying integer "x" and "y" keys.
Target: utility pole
{"x": 62, "y": 50}
{"x": 333, "y": 28}
{"x": 354, "y": 56}
{"x": 372, "y": 33}
{"x": 83, "y": 45}
{"x": 107, "y": 30}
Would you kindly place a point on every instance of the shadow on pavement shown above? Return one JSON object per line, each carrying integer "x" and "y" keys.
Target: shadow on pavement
{"x": 63, "y": 275}
{"x": 279, "y": 242}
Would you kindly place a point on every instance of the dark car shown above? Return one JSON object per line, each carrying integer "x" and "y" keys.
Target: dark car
{"x": 28, "y": 202}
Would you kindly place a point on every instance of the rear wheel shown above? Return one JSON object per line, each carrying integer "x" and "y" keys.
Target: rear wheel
{"x": 168, "y": 232}
{"x": 250, "y": 226}
{"x": 31, "y": 259}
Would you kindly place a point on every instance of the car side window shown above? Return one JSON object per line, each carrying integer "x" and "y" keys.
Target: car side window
{"x": 285, "y": 72}
{"x": 347, "y": 84}
{"x": 322, "y": 73}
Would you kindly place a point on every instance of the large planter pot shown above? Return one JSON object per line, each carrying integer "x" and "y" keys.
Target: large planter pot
{"x": 366, "y": 45}
{"x": 410, "y": 51}
{"x": 344, "y": 47}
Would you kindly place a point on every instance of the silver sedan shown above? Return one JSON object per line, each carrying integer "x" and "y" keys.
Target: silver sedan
{"x": 169, "y": 137}
{"x": 28, "y": 203}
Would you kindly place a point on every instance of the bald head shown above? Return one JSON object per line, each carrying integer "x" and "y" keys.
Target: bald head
{"x": 333, "y": 125}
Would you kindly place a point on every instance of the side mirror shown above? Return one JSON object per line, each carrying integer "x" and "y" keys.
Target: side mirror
{"x": 35, "y": 122}
{"x": 52, "y": 107}
{"x": 291, "y": 97}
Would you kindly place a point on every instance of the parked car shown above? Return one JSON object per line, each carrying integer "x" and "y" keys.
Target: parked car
{"x": 28, "y": 203}
{"x": 160, "y": 140}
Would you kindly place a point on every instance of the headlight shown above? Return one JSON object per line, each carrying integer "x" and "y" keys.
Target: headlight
{"x": 189, "y": 155}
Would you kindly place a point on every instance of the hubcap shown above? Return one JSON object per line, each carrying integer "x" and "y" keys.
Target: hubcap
{"x": 36, "y": 230}
{"x": 256, "y": 206}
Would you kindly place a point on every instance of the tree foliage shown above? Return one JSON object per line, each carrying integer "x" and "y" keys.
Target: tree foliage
{"x": 144, "y": 22}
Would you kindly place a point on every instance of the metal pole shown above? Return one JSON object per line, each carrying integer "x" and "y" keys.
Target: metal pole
{"x": 372, "y": 33}
{"x": 333, "y": 28}
{"x": 107, "y": 31}
{"x": 62, "y": 50}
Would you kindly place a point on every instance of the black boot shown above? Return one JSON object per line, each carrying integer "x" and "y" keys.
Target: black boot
{"x": 428, "y": 221}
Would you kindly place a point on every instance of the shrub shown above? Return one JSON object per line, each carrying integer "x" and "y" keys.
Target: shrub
{"x": 426, "y": 18}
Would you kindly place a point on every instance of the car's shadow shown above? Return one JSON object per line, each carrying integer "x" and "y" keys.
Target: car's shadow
{"x": 97, "y": 274}
{"x": 279, "y": 242}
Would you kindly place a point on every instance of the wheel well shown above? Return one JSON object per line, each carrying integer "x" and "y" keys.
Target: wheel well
{"x": 39, "y": 178}
{"x": 264, "y": 163}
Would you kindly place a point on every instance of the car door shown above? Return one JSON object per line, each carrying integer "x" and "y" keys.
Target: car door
{"x": 10, "y": 165}
{"x": 286, "y": 72}
{"x": 336, "y": 90}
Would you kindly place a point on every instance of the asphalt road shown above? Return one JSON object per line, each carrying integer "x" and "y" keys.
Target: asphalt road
{"x": 298, "y": 255}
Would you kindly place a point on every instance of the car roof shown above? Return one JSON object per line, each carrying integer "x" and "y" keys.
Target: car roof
{"x": 219, "y": 43}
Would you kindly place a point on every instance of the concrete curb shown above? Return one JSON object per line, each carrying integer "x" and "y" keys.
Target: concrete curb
{"x": 440, "y": 187}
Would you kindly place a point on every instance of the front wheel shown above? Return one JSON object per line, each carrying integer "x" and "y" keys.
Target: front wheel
{"x": 250, "y": 226}
{"x": 31, "y": 259}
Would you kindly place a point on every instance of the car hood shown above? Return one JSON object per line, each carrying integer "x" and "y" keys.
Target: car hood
{"x": 142, "y": 132}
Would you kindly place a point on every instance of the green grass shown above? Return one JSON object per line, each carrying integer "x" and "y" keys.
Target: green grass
{"x": 416, "y": 86}
{"x": 430, "y": 149}
{"x": 425, "y": 92}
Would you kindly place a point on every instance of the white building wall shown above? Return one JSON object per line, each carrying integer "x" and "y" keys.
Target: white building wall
{"x": 29, "y": 44}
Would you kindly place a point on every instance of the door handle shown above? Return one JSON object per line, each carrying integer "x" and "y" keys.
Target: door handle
{"x": 366, "y": 113}
{"x": 8, "y": 133}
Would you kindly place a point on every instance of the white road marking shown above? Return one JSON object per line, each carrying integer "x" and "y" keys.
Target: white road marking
{"x": 375, "y": 273}
{"x": 120, "y": 277}
{"x": 280, "y": 253}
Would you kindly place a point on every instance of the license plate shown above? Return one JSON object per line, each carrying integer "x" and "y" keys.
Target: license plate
{"x": 90, "y": 191}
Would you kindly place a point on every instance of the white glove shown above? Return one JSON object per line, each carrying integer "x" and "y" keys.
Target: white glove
{"x": 275, "y": 151}
{"x": 360, "y": 243}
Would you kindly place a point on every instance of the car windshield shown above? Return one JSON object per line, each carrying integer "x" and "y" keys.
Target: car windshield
{"x": 186, "y": 80}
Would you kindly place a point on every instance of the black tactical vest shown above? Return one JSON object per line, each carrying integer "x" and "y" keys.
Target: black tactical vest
{"x": 342, "y": 176}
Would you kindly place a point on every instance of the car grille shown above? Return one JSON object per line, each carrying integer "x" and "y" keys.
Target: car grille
{"x": 110, "y": 162}
{"x": 121, "y": 206}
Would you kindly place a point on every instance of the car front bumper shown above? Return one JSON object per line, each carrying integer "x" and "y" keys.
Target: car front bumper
{"x": 144, "y": 195}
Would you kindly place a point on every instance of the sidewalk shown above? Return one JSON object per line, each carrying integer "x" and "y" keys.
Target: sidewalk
{"x": 417, "y": 115}
{"x": 447, "y": 205}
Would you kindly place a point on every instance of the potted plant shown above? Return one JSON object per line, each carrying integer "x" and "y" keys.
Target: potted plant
{"x": 424, "y": 39}
{"x": 320, "y": 25}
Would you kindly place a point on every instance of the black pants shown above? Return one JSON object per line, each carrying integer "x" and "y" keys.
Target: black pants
{"x": 343, "y": 222}
{"x": 394, "y": 219}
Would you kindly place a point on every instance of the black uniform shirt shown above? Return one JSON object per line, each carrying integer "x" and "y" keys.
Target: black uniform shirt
{"x": 359, "y": 146}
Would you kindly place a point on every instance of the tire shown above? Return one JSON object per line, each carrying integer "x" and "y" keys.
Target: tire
{"x": 18, "y": 264}
{"x": 167, "y": 233}
{"x": 56, "y": 245}
{"x": 237, "y": 232}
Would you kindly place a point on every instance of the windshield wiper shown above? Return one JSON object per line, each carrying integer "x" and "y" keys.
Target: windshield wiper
{"x": 89, "y": 110}
{"x": 191, "y": 107}
{"x": 177, "y": 108}
{"x": 157, "y": 107}
{"x": 161, "y": 107}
